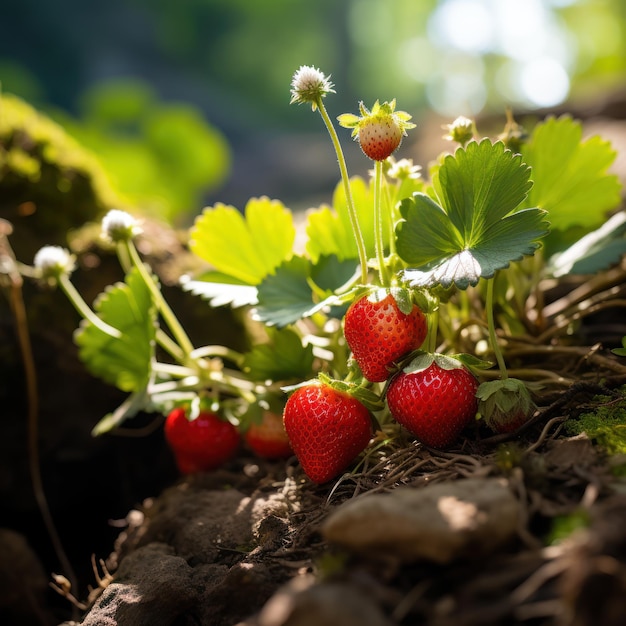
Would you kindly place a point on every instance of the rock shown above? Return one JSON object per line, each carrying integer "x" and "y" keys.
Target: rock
{"x": 439, "y": 523}
{"x": 302, "y": 602}
{"x": 153, "y": 586}
{"x": 199, "y": 524}
{"x": 23, "y": 582}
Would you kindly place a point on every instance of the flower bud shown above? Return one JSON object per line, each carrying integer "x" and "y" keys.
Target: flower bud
{"x": 461, "y": 130}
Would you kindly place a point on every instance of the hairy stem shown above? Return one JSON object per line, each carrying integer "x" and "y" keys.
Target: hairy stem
{"x": 358, "y": 236}
{"x": 162, "y": 338}
{"x": 495, "y": 346}
{"x": 163, "y": 307}
{"x": 378, "y": 225}
{"x": 83, "y": 309}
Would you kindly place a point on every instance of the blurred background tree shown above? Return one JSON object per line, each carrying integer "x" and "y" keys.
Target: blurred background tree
{"x": 186, "y": 103}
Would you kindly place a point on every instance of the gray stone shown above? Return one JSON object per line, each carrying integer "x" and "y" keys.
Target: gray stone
{"x": 440, "y": 522}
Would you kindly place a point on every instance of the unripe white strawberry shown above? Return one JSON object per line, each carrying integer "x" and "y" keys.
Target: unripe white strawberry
{"x": 379, "y": 138}
{"x": 379, "y": 131}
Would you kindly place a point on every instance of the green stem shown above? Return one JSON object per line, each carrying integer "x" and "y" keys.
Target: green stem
{"x": 81, "y": 306}
{"x": 433, "y": 326}
{"x": 378, "y": 225}
{"x": 218, "y": 351}
{"x": 163, "y": 307}
{"x": 169, "y": 345}
{"x": 492, "y": 330}
{"x": 163, "y": 339}
{"x": 391, "y": 201}
{"x": 360, "y": 243}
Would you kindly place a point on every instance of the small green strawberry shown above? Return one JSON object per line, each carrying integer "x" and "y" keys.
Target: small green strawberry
{"x": 505, "y": 405}
{"x": 434, "y": 398}
{"x": 379, "y": 131}
{"x": 382, "y": 327}
{"x": 200, "y": 444}
{"x": 327, "y": 427}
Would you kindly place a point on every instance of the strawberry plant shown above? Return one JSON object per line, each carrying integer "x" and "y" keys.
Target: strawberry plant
{"x": 414, "y": 302}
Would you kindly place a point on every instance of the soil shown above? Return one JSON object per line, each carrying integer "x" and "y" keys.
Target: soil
{"x": 246, "y": 545}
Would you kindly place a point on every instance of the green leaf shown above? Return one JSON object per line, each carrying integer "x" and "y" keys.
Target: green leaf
{"x": 469, "y": 229}
{"x": 125, "y": 362}
{"x": 570, "y": 176}
{"x": 220, "y": 294}
{"x": 479, "y": 185}
{"x": 426, "y": 233}
{"x": 283, "y": 358}
{"x": 247, "y": 249}
{"x": 286, "y": 296}
{"x": 329, "y": 230}
{"x": 620, "y": 351}
{"x": 596, "y": 251}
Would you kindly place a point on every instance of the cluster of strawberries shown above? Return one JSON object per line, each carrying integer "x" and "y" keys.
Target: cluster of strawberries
{"x": 208, "y": 440}
{"x": 432, "y": 396}
{"x": 326, "y": 425}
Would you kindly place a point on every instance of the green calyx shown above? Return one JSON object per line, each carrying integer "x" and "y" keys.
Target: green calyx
{"x": 379, "y": 113}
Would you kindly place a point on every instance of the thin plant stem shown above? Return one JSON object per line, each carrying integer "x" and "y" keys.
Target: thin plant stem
{"x": 492, "y": 330}
{"x": 162, "y": 338}
{"x": 378, "y": 224}
{"x": 168, "y": 315}
{"x": 433, "y": 325}
{"x": 390, "y": 205}
{"x": 358, "y": 236}
{"x": 81, "y": 306}
{"x": 18, "y": 309}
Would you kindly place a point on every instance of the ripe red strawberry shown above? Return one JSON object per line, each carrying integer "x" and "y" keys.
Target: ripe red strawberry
{"x": 328, "y": 429}
{"x": 268, "y": 438}
{"x": 380, "y": 331}
{"x": 378, "y": 131}
{"x": 200, "y": 444}
{"x": 433, "y": 401}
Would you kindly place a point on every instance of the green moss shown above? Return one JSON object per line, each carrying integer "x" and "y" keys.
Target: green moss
{"x": 564, "y": 525}
{"x": 605, "y": 425}
{"x": 49, "y": 183}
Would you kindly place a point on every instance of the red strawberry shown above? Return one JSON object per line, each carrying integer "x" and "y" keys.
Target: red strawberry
{"x": 200, "y": 444}
{"x": 379, "y": 331}
{"x": 434, "y": 398}
{"x": 378, "y": 131}
{"x": 328, "y": 429}
{"x": 268, "y": 438}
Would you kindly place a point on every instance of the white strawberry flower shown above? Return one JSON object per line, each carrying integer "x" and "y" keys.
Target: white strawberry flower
{"x": 119, "y": 226}
{"x": 310, "y": 85}
{"x": 403, "y": 169}
{"x": 53, "y": 261}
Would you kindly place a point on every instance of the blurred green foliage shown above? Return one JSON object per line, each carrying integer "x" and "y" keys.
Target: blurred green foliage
{"x": 231, "y": 61}
{"x": 436, "y": 54}
{"x": 163, "y": 156}
{"x": 49, "y": 183}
